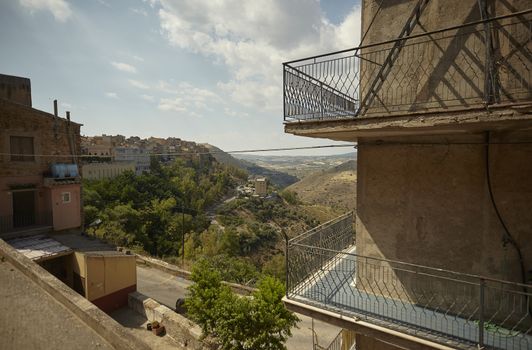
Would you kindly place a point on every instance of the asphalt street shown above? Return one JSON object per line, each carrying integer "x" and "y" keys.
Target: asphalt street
{"x": 166, "y": 288}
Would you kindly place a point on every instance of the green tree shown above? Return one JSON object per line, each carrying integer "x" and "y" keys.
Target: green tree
{"x": 259, "y": 322}
{"x": 204, "y": 296}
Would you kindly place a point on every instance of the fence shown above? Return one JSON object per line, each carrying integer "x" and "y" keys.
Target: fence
{"x": 444, "y": 306}
{"x": 446, "y": 69}
{"x": 15, "y": 222}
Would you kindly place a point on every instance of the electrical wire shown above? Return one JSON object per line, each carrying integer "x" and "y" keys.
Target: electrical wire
{"x": 508, "y": 238}
{"x": 355, "y": 146}
{"x": 183, "y": 153}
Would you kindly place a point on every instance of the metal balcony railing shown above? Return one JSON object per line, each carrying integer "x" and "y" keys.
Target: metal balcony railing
{"x": 10, "y": 223}
{"x": 448, "y": 69}
{"x": 460, "y": 310}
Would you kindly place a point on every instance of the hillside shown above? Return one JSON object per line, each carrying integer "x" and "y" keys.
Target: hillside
{"x": 298, "y": 166}
{"x": 335, "y": 187}
{"x": 276, "y": 177}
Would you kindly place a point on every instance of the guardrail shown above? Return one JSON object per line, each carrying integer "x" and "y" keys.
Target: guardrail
{"x": 447, "y": 69}
{"x": 443, "y": 306}
{"x": 16, "y": 222}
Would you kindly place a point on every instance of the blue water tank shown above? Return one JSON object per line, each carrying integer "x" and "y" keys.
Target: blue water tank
{"x": 61, "y": 171}
{"x": 58, "y": 170}
{"x": 71, "y": 170}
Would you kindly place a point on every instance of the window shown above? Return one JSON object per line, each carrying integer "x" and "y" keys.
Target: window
{"x": 22, "y": 149}
{"x": 65, "y": 196}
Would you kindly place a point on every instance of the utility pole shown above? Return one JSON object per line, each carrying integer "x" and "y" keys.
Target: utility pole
{"x": 183, "y": 232}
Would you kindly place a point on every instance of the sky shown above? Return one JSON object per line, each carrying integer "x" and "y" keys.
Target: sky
{"x": 201, "y": 70}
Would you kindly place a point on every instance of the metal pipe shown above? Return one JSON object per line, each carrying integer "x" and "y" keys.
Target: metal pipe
{"x": 55, "y": 109}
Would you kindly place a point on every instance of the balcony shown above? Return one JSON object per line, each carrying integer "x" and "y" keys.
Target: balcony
{"x": 441, "y": 71}
{"x": 25, "y": 222}
{"x": 458, "y": 310}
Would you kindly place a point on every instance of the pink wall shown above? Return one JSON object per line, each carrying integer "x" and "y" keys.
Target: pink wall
{"x": 66, "y": 215}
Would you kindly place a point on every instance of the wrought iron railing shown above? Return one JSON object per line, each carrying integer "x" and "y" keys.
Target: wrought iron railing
{"x": 445, "y": 69}
{"x": 10, "y": 223}
{"x": 460, "y": 310}
{"x": 336, "y": 234}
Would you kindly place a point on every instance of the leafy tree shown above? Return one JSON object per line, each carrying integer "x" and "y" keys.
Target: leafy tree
{"x": 204, "y": 296}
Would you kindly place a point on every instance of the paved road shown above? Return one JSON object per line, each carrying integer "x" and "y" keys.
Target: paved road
{"x": 166, "y": 288}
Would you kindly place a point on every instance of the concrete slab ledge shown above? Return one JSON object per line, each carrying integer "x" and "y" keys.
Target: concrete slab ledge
{"x": 93, "y": 317}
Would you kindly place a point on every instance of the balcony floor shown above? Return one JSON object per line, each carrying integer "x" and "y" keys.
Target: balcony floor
{"x": 334, "y": 288}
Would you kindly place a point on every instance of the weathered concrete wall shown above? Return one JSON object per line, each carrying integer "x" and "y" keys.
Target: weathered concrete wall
{"x": 110, "y": 278}
{"x": 430, "y": 205}
{"x": 444, "y": 70}
{"x": 15, "y": 89}
{"x": 179, "y": 327}
{"x": 66, "y": 214}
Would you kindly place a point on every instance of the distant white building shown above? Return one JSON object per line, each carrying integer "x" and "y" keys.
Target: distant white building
{"x": 98, "y": 171}
{"x": 139, "y": 156}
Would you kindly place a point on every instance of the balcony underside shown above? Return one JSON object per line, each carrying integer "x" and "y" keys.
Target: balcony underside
{"x": 514, "y": 117}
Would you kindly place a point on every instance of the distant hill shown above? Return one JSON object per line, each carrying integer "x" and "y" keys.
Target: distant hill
{"x": 334, "y": 187}
{"x": 299, "y": 166}
{"x": 278, "y": 178}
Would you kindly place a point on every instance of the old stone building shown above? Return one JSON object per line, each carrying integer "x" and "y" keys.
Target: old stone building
{"x": 39, "y": 180}
{"x": 438, "y": 98}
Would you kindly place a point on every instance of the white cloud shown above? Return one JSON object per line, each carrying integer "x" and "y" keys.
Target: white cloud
{"x": 168, "y": 104}
{"x": 111, "y": 95}
{"x": 104, "y": 3}
{"x": 138, "y": 84}
{"x": 139, "y": 11}
{"x": 253, "y": 47}
{"x": 138, "y": 58}
{"x": 186, "y": 97}
{"x": 60, "y": 9}
{"x": 124, "y": 67}
{"x": 149, "y": 98}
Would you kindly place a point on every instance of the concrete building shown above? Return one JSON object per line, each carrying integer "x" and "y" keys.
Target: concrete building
{"x": 443, "y": 125}
{"x": 140, "y": 156}
{"x": 39, "y": 180}
{"x": 261, "y": 186}
{"x": 98, "y": 171}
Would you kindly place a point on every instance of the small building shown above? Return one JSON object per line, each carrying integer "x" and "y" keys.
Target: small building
{"x": 39, "y": 180}
{"x": 261, "y": 186}
{"x": 93, "y": 269}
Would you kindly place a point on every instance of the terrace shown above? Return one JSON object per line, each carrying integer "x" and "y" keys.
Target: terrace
{"x": 458, "y": 310}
